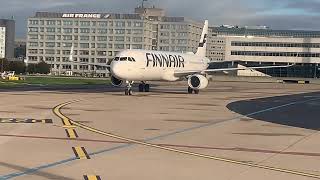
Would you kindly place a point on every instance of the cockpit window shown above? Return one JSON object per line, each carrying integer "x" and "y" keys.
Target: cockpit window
{"x": 123, "y": 58}
{"x": 133, "y": 59}
{"x": 116, "y": 59}
{"x": 129, "y": 59}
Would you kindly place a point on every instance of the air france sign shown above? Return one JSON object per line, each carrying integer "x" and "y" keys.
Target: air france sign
{"x": 86, "y": 15}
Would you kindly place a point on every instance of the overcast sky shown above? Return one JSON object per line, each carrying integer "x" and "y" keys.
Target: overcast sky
{"x": 278, "y": 14}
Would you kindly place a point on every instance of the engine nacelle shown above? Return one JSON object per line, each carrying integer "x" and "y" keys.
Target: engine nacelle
{"x": 116, "y": 82}
{"x": 198, "y": 82}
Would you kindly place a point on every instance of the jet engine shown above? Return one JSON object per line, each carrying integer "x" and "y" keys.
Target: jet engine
{"x": 198, "y": 82}
{"x": 116, "y": 82}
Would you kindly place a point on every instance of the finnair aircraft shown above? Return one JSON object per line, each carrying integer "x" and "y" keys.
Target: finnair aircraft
{"x": 143, "y": 66}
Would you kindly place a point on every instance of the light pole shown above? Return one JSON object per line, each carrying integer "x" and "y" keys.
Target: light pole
{"x": 315, "y": 70}
{"x": 2, "y": 65}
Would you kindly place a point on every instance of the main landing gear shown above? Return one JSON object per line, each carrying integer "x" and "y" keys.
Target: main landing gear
{"x": 191, "y": 90}
{"x": 143, "y": 87}
{"x": 128, "y": 90}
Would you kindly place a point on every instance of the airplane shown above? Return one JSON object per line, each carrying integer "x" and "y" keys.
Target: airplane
{"x": 143, "y": 66}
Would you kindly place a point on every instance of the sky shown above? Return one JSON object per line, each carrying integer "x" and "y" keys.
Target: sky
{"x": 277, "y": 14}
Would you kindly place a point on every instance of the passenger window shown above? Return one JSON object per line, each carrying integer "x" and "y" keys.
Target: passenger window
{"x": 123, "y": 58}
{"x": 116, "y": 59}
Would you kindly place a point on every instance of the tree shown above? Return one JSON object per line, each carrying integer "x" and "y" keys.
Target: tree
{"x": 17, "y": 66}
{"x": 4, "y": 65}
{"x": 43, "y": 68}
{"x": 32, "y": 68}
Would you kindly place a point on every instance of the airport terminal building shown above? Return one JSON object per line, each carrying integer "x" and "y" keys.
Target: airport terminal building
{"x": 261, "y": 46}
{"x": 96, "y": 38}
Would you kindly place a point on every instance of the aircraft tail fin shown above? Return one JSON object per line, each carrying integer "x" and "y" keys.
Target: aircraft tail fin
{"x": 202, "y": 48}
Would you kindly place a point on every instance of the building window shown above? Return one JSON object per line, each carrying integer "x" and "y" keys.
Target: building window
{"x": 137, "y": 31}
{"x": 67, "y": 37}
{"x": 67, "y": 22}
{"x": 50, "y": 37}
{"x": 102, "y": 23}
{"x": 66, "y": 44}
{"x": 102, "y": 38}
{"x": 33, "y": 36}
{"x": 84, "y": 38}
{"x": 84, "y": 23}
{"x": 119, "y": 31}
{"x": 49, "y": 58}
{"x": 33, "y": 51}
{"x": 32, "y": 58}
{"x": 102, "y": 60}
{"x": 67, "y": 30}
{"x": 101, "y": 45}
{"x": 137, "y": 39}
{"x": 49, "y": 51}
{"x": 277, "y": 54}
{"x": 33, "y": 44}
{"x": 50, "y": 44}
{"x": 136, "y": 46}
{"x": 84, "y": 52}
{"x": 84, "y": 45}
{"x": 165, "y": 26}
{"x": 84, "y": 59}
{"x": 33, "y": 29}
{"x": 101, "y": 53}
{"x": 102, "y": 31}
{"x": 119, "y": 38}
{"x": 120, "y": 24}
{"x": 33, "y": 22}
{"x": 84, "y": 30}
{"x": 119, "y": 46}
{"x": 51, "y": 22}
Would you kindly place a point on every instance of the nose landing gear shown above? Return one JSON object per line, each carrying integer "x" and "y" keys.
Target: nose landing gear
{"x": 143, "y": 87}
{"x": 128, "y": 90}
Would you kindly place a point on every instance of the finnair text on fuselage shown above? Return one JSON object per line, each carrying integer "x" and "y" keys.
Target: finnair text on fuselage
{"x": 164, "y": 60}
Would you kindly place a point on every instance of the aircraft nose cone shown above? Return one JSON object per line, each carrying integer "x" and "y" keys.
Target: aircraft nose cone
{"x": 115, "y": 69}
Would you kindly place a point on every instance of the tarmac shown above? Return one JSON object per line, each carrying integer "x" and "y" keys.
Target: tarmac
{"x": 230, "y": 131}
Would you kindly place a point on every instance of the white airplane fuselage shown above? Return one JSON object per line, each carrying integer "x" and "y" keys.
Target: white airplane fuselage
{"x": 155, "y": 65}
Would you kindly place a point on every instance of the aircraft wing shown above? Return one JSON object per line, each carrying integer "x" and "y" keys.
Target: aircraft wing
{"x": 84, "y": 63}
{"x": 181, "y": 73}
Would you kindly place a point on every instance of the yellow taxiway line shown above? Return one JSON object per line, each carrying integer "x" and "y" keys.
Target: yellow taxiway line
{"x": 80, "y": 152}
{"x": 91, "y": 177}
{"x": 57, "y": 111}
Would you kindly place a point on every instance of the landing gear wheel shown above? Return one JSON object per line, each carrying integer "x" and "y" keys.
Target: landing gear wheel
{"x": 190, "y": 90}
{"x": 196, "y": 91}
{"x": 147, "y": 88}
{"x": 141, "y": 87}
{"x": 130, "y": 92}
